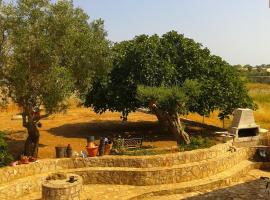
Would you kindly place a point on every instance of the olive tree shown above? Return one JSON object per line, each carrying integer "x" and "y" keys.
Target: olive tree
{"x": 50, "y": 50}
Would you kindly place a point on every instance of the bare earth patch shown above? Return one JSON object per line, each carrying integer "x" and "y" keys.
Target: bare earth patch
{"x": 78, "y": 123}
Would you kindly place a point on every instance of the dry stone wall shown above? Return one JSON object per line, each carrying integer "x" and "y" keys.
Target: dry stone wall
{"x": 140, "y": 170}
{"x": 163, "y": 175}
{"x": 165, "y": 160}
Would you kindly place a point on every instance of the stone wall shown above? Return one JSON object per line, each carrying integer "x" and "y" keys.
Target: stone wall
{"x": 165, "y": 160}
{"x": 133, "y": 170}
{"x": 163, "y": 175}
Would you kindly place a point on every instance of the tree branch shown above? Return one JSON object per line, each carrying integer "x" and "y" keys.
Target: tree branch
{"x": 24, "y": 119}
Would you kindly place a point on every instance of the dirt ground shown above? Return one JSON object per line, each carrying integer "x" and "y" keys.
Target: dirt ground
{"x": 78, "y": 123}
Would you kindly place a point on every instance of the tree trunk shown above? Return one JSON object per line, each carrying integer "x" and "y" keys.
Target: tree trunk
{"x": 32, "y": 141}
{"x": 172, "y": 123}
{"x": 162, "y": 120}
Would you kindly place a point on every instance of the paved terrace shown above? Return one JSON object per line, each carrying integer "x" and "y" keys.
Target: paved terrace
{"x": 249, "y": 187}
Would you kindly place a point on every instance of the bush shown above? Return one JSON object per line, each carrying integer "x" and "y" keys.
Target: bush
{"x": 143, "y": 151}
{"x": 197, "y": 142}
{"x": 140, "y": 152}
{"x": 5, "y": 157}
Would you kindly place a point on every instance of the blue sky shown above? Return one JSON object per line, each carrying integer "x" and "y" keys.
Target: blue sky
{"x": 237, "y": 30}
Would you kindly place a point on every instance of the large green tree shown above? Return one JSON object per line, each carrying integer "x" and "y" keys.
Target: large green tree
{"x": 48, "y": 51}
{"x": 170, "y": 75}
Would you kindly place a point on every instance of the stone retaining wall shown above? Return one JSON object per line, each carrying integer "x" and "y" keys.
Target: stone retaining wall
{"x": 165, "y": 160}
{"x": 211, "y": 185}
{"x": 163, "y": 175}
{"x": 139, "y": 170}
{"x": 16, "y": 189}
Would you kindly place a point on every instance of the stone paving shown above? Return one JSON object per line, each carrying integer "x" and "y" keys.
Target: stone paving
{"x": 250, "y": 187}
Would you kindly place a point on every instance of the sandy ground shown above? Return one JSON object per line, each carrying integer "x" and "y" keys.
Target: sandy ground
{"x": 73, "y": 127}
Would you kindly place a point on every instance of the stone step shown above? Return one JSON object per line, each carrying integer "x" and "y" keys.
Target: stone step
{"x": 222, "y": 179}
{"x": 127, "y": 192}
{"x": 16, "y": 189}
{"x": 165, "y": 160}
{"x": 26, "y": 179}
{"x": 161, "y": 160}
{"x": 131, "y": 176}
{"x": 160, "y": 175}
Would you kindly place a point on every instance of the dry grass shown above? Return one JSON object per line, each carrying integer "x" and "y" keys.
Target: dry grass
{"x": 211, "y": 120}
{"x": 260, "y": 94}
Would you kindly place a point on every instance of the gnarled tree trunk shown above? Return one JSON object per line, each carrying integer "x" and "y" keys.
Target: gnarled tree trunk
{"x": 172, "y": 123}
{"x": 32, "y": 141}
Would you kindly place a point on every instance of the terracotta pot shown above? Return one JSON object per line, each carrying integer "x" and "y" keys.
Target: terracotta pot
{"x": 92, "y": 151}
{"x": 107, "y": 149}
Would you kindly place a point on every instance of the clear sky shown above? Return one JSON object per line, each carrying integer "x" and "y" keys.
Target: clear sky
{"x": 237, "y": 30}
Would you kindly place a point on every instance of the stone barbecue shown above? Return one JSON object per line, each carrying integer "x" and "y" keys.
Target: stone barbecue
{"x": 243, "y": 125}
{"x": 62, "y": 187}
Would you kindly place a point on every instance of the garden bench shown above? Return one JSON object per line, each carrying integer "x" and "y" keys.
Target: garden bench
{"x": 129, "y": 143}
{"x": 133, "y": 142}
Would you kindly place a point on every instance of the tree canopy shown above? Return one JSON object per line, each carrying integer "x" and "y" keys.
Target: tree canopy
{"x": 175, "y": 73}
{"x": 48, "y": 50}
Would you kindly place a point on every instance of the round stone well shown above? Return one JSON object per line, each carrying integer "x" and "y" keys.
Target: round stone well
{"x": 61, "y": 186}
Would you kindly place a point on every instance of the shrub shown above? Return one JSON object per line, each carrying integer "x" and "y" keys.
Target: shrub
{"x": 143, "y": 151}
{"x": 197, "y": 142}
{"x": 5, "y": 157}
{"x": 140, "y": 152}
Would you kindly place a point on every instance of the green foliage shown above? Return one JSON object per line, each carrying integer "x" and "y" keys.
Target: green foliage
{"x": 173, "y": 99}
{"x": 178, "y": 73}
{"x": 58, "y": 86}
{"x": 144, "y": 151}
{"x": 197, "y": 142}
{"x": 118, "y": 144}
{"x": 5, "y": 157}
{"x": 49, "y": 50}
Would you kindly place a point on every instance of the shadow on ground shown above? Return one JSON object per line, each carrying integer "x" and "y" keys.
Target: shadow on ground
{"x": 251, "y": 190}
{"x": 16, "y": 141}
{"x": 149, "y": 131}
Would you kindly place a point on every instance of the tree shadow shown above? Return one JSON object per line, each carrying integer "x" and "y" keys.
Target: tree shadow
{"x": 99, "y": 128}
{"x": 15, "y": 148}
{"x": 15, "y": 142}
{"x": 255, "y": 189}
{"x": 149, "y": 131}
